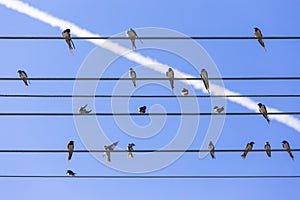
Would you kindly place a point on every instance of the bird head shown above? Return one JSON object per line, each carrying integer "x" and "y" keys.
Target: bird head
{"x": 284, "y": 141}
{"x": 256, "y": 29}
{"x": 67, "y": 30}
{"x": 252, "y": 143}
{"x": 130, "y": 69}
{"x": 259, "y": 104}
{"x": 71, "y": 142}
{"x": 19, "y": 71}
{"x": 170, "y": 69}
{"x": 216, "y": 107}
{"x": 267, "y": 143}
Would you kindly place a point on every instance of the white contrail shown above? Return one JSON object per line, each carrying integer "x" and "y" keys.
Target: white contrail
{"x": 35, "y": 13}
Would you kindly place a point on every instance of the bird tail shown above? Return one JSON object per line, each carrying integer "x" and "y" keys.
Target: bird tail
{"x": 212, "y": 156}
{"x": 25, "y": 82}
{"x": 72, "y": 43}
{"x": 268, "y": 120}
{"x": 70, "y": 157}
{"x": 291, "y": 155}
{"x": 243, "y": 156}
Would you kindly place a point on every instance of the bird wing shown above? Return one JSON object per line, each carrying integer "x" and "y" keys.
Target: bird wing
{"x": 113, "y": 146}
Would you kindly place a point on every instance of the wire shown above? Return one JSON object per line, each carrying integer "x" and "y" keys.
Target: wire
{"x": 146, "y": 114}
{"x": 152, "y": 38}
{"x": 122, "y": 79}
{"x": 160, "y": 177}
{"x": 146, "y": 96}
{"x": 144, "y": 151}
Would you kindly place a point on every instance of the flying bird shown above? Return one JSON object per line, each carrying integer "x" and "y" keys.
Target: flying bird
{"x": 70, "y": 173}
{"x": 142, "y": 110}
{"x": 108, "y": 149}
{"x": 67, "y": 35}
{"x": 263, "y": 110}
{"x": 287, "y": 147}
{"x": 23, "y": 76}
{"x": 259, "y": 36}
{"x": 184, "y": 92}
{"x": 70, "y": 149}
{"x": 249, "y": 147}
{"x": 204, "y": 76}
{"x": 83, "y": 110}
{"x": 218, "y": 109}
{"x": 268, "y": 149}
{"x": 132, "y": 75}
{"x": 170, "y": 75}
{"x": 211, "y": 149}
{"x": 130, "y": 149}
{"x": 132, "y": 36}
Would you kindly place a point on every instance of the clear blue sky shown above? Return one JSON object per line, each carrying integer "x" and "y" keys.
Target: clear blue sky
{"x": 233, "y": 58}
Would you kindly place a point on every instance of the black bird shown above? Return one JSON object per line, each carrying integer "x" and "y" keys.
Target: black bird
{"x": 23, "y": 76}
{"x": 259, "y": 36}
{"x": 287, "y": 147}
{"x": 263, "y": 110}
{"x": 70, "y": 149}
{"x": 211, "y": 149}
{"x": 142, "y": 110}
{"x": 268, "y": 149}
{"x": 67, "y": 35}
{"x": 249, "y": 147}
{"x": 70, "y": 173}
{"x": 204, "y": 76}
{"x": 130, "y": 149}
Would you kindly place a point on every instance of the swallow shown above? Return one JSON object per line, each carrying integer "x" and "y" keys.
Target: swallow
{"x": 287, "y": 147}
{"x": 249, "y": 147}
{"x": 204, "y": 76}
{"x": 211, "y": 149}
{"x": 130, "y": 149}
{"x": 170, "y": 75}
{"x": 83, "y": 111}
{"x": 70, "y": 173}
{"x": 70, "y": 149}
{"x": 108, "y": 149}
{"x": 263, "y": 110}
{"x": 132, "y": 36}
{"x": 23, "y": 76}
{"x": 142, "y": 110}
{"x": 184, "y": 92}
{"x": 67, "y": 35}
{"x": 268, "y": 149}
{"x": 218, "y": 109}
{"x": 132, "y": 75}
{"x": 259, "y": 36}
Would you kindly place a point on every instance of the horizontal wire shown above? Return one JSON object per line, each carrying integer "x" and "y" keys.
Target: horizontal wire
{"x": 151, "y": 38}
{"x": 160, "y": 177}
{"x": 147, "y": 96}
{"x": 143, "y": 151}
{"x": 121, "y": 79}
{"x": 146, "y": 114}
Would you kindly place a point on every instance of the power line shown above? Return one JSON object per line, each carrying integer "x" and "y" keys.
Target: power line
{"x": 146, "y": 114}
{"x": 126, "y": 79}
{"x": 146, "y": 96}
{"x": 159, "y": 177}
{"x": 143, "y": 151}
{"x": 151, "y": 38}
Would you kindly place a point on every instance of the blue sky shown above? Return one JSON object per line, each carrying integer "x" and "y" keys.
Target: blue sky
{"x": 233, "y": 58}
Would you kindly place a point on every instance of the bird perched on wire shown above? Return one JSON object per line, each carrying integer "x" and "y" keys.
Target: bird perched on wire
{"x": 132, "y": 36}
{"x": 70, "y": 173}
{"x": 218, "y": 109}
{"x": 248, "y": 148}
{"x": 204, "y": 76}
{"x": 259, "y": 36}
{"x": 130, "y": 149}
{"x": 67, "y": 35}
{"x": 184, "y": 92}
{"x": 211, "y": 149}
{"x": 108, "y": 149}
{"x": 142, "y": 110}
{"x": 287, "y": 147}
{"x": 83, "y": 110}
{"x": 268, "y": 149}
{"x": 170, "y": 75}
{"x": 132, "y": 75}
{"x": 23, "y": 76}
{"x": 70, "y": 149}
{"x": 263, "y": 110}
